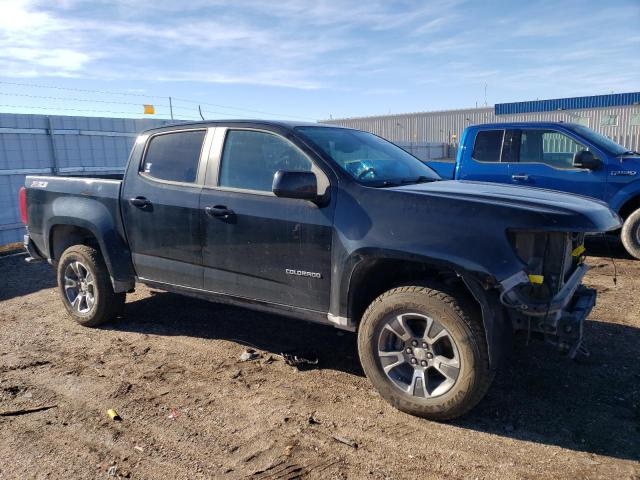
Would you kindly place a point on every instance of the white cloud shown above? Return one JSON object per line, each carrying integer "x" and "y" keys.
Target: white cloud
{"x": 362, "y": 47}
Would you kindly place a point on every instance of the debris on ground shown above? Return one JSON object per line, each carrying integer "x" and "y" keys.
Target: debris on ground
{"x": 301, "y": 361}
{"x": 112, "y": 470}
{"x": 345, "y": 441}
{"x": 270, "y": 359}
{"x": 138, "y": 448}
{"x": 113, "y": 415}
{"x": 313, "y": 421}
{"x": 173, "y": 414}
{"x": 24, "y": 411}
{"x": 248, "y": 355}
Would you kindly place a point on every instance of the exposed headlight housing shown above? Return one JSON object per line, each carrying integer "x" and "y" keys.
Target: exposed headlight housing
{"x": 549, "y": 259}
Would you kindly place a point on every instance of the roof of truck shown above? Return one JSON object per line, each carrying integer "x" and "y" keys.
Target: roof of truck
{"x": 213, "y": 123}
{"x": 522, "y": 124}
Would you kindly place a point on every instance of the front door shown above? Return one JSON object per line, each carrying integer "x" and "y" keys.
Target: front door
{"x": 256, "y": 245}
{"x": 161, "y": 211}
{"x": 544, "y": 158}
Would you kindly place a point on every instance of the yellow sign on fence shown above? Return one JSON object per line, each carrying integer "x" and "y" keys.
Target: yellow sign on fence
{"x": 149, "y": 109}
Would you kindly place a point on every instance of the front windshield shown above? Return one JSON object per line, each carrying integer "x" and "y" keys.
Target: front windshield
{"x": 368, "y": 158}
{"x": 599, "y": 140}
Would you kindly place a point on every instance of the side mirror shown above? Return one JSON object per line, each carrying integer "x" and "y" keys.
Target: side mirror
{"x": 291, "y": 184}
{"x": 586, "y": 159}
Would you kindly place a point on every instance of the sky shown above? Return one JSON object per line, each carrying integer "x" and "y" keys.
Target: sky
{"x": 309, "y": 60}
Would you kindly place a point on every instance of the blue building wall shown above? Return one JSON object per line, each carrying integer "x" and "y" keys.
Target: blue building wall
{"x": 575, "y": 103}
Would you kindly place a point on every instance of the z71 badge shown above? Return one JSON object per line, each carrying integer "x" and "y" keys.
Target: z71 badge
{"x": 39, "y": 184}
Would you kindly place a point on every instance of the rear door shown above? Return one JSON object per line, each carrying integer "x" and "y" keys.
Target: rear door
{"x": 256, "y": 245}
{"x": 484, "y": 161}
{"x": 543, "y": 157}
{"x": 160, "y": 207}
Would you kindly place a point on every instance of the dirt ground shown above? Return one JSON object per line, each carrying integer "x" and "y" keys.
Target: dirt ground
{"x": 191, "y": 409}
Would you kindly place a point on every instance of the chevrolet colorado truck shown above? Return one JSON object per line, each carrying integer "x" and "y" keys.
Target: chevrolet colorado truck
{"x": 559, "y": 156}
{"x": 329, "y": 225}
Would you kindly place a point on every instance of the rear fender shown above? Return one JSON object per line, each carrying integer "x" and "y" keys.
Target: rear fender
{"x": 95, "y": 217}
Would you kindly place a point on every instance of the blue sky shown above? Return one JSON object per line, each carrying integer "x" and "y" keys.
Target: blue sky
{"x": 311, "y": 59}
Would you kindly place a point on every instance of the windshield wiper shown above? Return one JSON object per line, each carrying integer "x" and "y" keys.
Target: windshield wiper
{"x": 420, "y": 179}
{"x": 383, "y": 183}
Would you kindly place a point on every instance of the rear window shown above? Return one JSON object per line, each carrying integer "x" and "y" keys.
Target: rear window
{"x": 174, "y": 156}
{"x": 488, "y": 145}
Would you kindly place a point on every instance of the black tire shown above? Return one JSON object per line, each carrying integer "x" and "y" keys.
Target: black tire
{"x": 630, "y": 234}
{"x": 463, "y": 326}
{"x": 105, "y": 304}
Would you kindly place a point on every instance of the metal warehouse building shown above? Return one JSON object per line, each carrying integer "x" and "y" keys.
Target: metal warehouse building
{"x": 617, "y": 116}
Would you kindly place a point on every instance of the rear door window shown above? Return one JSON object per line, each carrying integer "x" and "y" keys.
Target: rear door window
{"x": 488, "y": 146}
{"x": 174, "y": 156}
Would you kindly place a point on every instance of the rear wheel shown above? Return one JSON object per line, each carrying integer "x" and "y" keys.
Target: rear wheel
{"x": 424, "y": 350}
{"x": 630, "y": 234}
{"x": 85, "y": 287}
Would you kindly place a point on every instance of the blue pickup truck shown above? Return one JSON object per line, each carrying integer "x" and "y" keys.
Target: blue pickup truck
{"x": 557, "y": 156}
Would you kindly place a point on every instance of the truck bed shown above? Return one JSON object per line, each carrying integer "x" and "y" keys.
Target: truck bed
{"x": 52, "y": 199}
{"x": 445, "y": 168}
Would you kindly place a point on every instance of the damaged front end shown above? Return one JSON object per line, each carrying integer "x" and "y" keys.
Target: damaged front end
{"x": 547, "y": 297}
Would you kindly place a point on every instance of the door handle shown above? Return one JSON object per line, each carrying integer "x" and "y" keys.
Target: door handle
{"x": 219, "y": 211}
{"x": 140, "y": 202}
{"x": 521, "y": 177}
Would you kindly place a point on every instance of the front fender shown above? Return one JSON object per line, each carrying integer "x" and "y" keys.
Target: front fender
{"x": 95, "y": 217}
{"x": 625, "y": 194}
{"x": 496, "y": 326}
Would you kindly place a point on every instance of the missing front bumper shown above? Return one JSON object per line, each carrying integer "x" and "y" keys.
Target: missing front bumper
{"x": 559, "y": 320}
{"x": 563, "y": 328}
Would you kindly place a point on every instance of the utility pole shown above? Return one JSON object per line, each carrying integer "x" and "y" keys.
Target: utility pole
{"x": 171, "y": 108}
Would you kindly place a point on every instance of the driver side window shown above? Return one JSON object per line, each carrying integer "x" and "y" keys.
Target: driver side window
{"x": 549, "y": 147}
{"x": 251, "y": 158}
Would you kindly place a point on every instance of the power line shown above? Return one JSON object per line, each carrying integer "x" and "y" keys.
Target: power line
{"x": 188, "y": 109}
{"x": 71, "y": 109}
{"x": 106, "y": 92}
{"x": 76, "y": 99}
{"x": 243, "y": 109}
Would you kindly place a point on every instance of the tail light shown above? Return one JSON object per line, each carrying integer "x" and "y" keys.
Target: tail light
{"x": 22, "y": 195}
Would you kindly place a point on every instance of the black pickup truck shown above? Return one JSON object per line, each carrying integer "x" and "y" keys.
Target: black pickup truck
{"x": 330, "y": 225}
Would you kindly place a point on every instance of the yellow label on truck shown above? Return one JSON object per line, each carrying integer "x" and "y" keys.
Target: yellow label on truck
{"x": 579, "y": 250}
{"x": 536, "y": 279}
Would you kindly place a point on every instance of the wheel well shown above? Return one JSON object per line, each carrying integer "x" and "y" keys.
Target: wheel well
{"x": 375, "y": 277}
{"x": 64, "y": 236}
{"x": 629, "y": 207}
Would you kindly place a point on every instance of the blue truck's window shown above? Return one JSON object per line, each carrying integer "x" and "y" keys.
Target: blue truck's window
{"x": 174, "y": 156}
{"x": 548, "y": 147}
{"x": 251, "y": 158}
{"x": 488, "y": 146}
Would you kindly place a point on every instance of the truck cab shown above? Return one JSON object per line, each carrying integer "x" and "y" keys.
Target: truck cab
{"x": 559, "y": 156}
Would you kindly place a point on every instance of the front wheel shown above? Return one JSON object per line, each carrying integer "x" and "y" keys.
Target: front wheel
{"x": 630, "y": 234}
{"x": 425, "y": 351}
{"x": 85, "y": 287}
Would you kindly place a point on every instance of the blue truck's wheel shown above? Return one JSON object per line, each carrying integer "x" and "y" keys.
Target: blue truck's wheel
{"x": 424, "y": 350}
{"x": 630, "y": 234}
{"x": 85, "y": 287}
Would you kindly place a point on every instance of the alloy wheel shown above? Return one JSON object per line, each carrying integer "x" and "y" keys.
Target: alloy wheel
{"x": 79, "y": 287}
{"x": 418, "y": 355}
